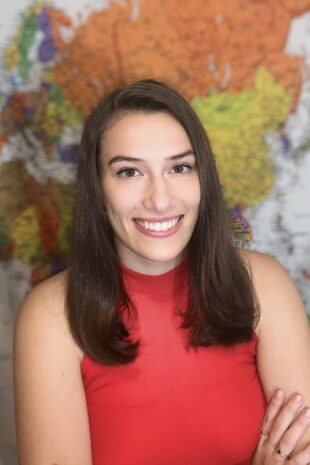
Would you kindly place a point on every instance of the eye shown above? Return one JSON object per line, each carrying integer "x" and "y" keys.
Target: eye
{"x": 127, "y": 172}
{"x": 182, "y": 168}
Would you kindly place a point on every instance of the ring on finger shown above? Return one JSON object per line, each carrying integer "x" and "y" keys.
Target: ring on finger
{"x": 282, "y": 455}
{"x": 264, "y": 433}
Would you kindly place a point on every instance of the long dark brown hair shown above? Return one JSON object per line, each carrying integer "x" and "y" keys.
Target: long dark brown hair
{"x": 222, "y": 305}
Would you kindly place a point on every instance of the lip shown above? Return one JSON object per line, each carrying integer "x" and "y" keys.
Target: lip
{"x": 160, "y": 234}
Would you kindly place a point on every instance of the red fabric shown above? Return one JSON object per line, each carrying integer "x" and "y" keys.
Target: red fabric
{"x": 173, "y": 406}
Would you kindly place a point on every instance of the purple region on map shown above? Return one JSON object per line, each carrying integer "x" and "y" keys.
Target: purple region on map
{"x": 47, "y": 48}
{"x": 46, "y": 86}
{"x": 236, "y": 214}
{"x": 44, "y": 22}
{"x": 29, "y": 112}
{"x": 68, "y": 153}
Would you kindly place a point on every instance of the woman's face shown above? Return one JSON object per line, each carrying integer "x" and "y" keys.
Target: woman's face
{"x": 151, "y": 190}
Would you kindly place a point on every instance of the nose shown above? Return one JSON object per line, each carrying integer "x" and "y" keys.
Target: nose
{"x": 158, "y": 196}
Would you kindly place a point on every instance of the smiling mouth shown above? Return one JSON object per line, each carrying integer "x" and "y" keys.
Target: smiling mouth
{"x": 159, "y": 226}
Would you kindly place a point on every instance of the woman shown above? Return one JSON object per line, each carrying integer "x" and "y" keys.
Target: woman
{"x": 162, "y": 342}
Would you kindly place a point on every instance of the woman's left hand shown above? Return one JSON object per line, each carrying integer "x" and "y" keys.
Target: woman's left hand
{"x": 284, "y": 424}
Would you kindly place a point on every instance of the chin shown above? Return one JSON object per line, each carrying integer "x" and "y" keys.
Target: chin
{"x": 165, "y": 256}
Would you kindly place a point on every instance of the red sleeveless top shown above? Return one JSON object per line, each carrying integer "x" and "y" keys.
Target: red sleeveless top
{"x": 173, "y": 405}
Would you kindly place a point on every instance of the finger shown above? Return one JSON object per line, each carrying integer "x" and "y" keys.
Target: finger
{"x": 273, "y": 409}
{"x": 291, "y": 437}
{"x": 301, "y": 458}
{"x": 284, "y": 419}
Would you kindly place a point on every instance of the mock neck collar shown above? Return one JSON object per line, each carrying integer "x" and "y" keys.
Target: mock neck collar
{"x": 167, "y": 283}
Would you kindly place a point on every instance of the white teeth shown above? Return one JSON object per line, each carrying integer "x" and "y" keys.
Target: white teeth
{"x": 157, "y": 226}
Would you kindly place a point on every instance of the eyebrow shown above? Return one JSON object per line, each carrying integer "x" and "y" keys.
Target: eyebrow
{"x": 119, "y": 158}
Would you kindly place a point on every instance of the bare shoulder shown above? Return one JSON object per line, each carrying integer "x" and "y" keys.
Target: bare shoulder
{"x": 43, "y": 312}
{"x": 269, "y": 276}
{"x": 48, "y": 295}
{"x": 262, "y": 266}
{"x": 278, "y": 297}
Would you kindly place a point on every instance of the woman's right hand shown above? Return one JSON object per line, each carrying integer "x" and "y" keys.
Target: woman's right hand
{"x": 284, "y": 424}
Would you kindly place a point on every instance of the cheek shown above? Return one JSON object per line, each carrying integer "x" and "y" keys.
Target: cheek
{"x": 120, "y": 203}
{"x": 191, "y": 195}
{"x": 197, "y": 192}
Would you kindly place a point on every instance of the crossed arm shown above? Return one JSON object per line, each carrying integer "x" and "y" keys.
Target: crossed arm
{"x": 283, "y": 360}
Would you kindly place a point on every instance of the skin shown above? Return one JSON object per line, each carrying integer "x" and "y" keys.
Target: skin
{"x": 142, "y": 179}
{"x": 283, "y": 352}
{"x": 284, "y": 425}
{"x": 51, "y": 414}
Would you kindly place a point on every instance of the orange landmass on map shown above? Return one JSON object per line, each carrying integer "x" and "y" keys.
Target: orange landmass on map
{"x": 45, "y": 197}
{"x": 195, "y": 46}
{"x": 2, "y": 142}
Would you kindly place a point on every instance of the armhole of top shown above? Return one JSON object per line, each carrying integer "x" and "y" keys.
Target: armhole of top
{"x": 255, "y": 338}
{"x": 84, "y": 363}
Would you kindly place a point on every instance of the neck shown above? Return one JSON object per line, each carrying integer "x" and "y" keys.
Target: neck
{"x": 149, "y": 267}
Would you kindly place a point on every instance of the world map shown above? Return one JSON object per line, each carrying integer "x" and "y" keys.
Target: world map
{"x": 244, "y": 67}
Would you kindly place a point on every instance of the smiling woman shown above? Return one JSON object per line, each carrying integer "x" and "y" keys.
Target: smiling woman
{"x": 131, "y": 145}
{"x": 162, "y": 342}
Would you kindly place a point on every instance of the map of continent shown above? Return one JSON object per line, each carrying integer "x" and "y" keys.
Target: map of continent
{"x": 243, "y": 66}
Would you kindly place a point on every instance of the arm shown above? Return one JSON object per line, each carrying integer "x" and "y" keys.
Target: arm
{"x": 51, "y": 413}
{"x": 283, "y": 353}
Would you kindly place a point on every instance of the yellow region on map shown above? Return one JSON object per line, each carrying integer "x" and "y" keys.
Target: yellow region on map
{"x": 236, "y": 125}
{"x": 26, "y": 235}
{"x": 66, "y": 198}
{"x": 11, "y": 54}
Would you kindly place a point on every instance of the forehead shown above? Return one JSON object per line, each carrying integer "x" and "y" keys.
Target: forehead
{"x": 144, "y": 133}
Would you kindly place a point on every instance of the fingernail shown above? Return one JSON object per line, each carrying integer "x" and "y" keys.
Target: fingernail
{"x": 297, "y": 398}
{"x": 279, "y": 394}
{"x": 307, "y": 413}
